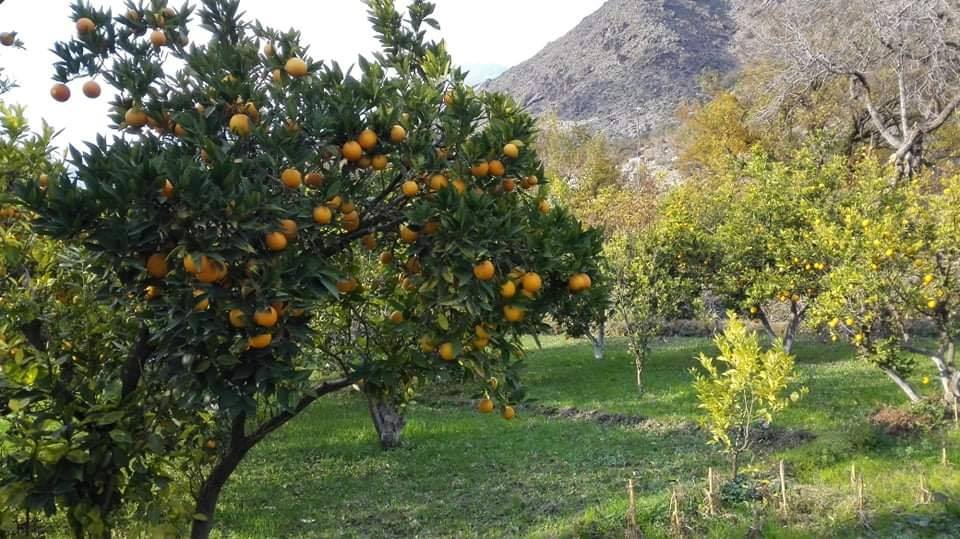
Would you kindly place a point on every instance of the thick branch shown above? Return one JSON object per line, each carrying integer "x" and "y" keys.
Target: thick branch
{"x": 280, "y": 419}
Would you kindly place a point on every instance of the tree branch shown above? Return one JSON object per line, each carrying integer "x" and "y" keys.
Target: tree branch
{"x": 280, "y": 419}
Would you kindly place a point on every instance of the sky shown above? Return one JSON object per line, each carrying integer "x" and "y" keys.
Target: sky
{"x": 478, "y": 32}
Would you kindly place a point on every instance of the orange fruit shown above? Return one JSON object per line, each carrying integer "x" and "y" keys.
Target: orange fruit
{"x": 322, "y": 215}
{"x": 348, "y": 207}
{"x": 91, "y": 89}
{"x": 179, "y": 131}
{"x": 238, "y": 318}
{"x": 408, "y": 284}
{"x": 544, "y": 207}
{"x": 379, "y": 162}
{"x": 7, "y": 39}
{"x": 509, "y": 185}
{"x": 152, "y": 292}
{"x": 531, "y": 282}
{"x": 266, "y": 317}
{"x": 481, "y": 332}
{"x": 346, "y": 286}
{"x": 369, "y": 242}
{"x": 350, "y": 221}
{"x": 240, "y": 124}
{"x": 579, "y": 282}
{"x": 396, "y": 317}
{"x": 480, "y": 343}
{"x": 60, "y": 92}
{"x": 530, "y": 181}
{"x": 508, "y": 289}
{"x": 268, "y": 49}
{"x": 496, "y": 168}
{"x": 190, "y": 265}
{"x": 291, "y": 178}
{"x": 211, "y": 444}
{"x": 513, "y": 314}
{"x": 447, "y": 352}
{"x": 289, "y": 228}
{"x": 135, "y": 117}
{"x": 259, "y": 342}
{"x": 85, "y": 25}
{"x": 367, "y": 139}
{"x": 364, "y": 162}
{"x": 408, "y": 235}
{"x": 508, "y": 413}
{"x": 352, "y": 151}
{"x": 334, "y": 202}
{"x": 511, "y": 150}
{"x": 398, "y": 134}
{"x": 431, "y": 227}
{"x": 480, "y": 169}
{"x": 386, "y": 257}
{"x": 250, "y": 109}
{"x": 276, "y": 75}
{"x": 158, "y": 38}
{"x": 212, "y": 272}
{"x": 438, "y": 182}
{"x": 459, "y": 185}
{"x": 448, "y": 99}
{"x": 485, "y": 406}
{"x": 295, "y": 67}
{"x": 276, "y": 241}
{"x": 313, "y": 179}
{"x": 426, "y": 345}
{"x": 203, "y": 304}
{"x": 484, "y": 270}
{"x": 157, "y": 266}
{"x": 410, "y": 188}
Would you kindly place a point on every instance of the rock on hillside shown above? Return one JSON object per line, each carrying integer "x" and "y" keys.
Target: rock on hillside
{"x": 625, "y": 68}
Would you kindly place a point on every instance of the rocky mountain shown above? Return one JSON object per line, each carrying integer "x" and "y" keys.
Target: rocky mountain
{"x": 625, "y": 68}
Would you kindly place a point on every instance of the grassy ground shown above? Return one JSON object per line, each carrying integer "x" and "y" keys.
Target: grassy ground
{"x": 464, "y": 474}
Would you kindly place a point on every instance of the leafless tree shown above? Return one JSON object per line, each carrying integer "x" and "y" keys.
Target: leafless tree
{"x": 904, "y": 53}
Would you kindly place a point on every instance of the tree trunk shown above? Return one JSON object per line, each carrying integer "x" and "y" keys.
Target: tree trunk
{"x": 902, "y": 384}
{"x": 765, "y": 322}
{"x": 388, "y": 420}
{"x": 599, "y": 341}
{"x": 735, "y": 464}
{"x": 209, "y": 492}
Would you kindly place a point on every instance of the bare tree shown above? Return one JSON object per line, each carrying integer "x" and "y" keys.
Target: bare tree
{"x": 905, "y": 53}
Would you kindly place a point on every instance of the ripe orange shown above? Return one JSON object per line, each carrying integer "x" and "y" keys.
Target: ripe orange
{"x": 410, "y": 188}
{"x": 579, "y": 282}
{"x": 85, "y": 25}
{"x": 480, "y": 169}
{"x": 203, "y": 304}
{"x": 511, "y": 150}
{"x": 91, "y": 89}
{"x": 447, "y": 352}
{"x": 157, "y": 266}
{"x": 369, "y": 242}
{"x": 350, "y": 221}
{"x": 152, "y": 292}
{"x": 408, "y": 235}
{"x": 509, "y": 185}
{"x": 379, "y": 162}
{"x": 291, "y": 178}
{"x": 513, "y": 314}
{"x": 250, "y": 109}
{"x": 508, "y": 413}
{"x": 158, "y": 38}
{"x": 544, "y": 207}
{"x": 179, "y": 131}
{"x": 190, "y": 265}
{"x": 496, "y": 168}
{"x": 334, "y": 202}
{"x": 212, "y": 272}
{"x": 480, "y": 343}
{"x": 352, "y": 151}
{"x": 531, "y": 282}
{"x": 266, "y": 317}
{"x": 313, "y": 179}
{"x": 238, "y": 318}
{"x": 276, "y": 75}
{"x": 448, "y": 99}
{"x": 289, "y": 228}
{"x": 431, "y": 227}
{"x": 530, "y": 181}
{"x": 276, "y": 241}
{"x": 508, "y": 289}
{"x": 367, "y": 139}
{"x": 347, "y": 207}
{"x": 398, "y": 134}
{"x": 484, "y": 270}
{"x": 485, "y": 406}
{"x": 135, "y": 117}
{"x": 408, "y": 284}
{"x": 438, "y": 182}
{"x": 259, "y": 342}
{"x": 240, "y": 124}
{"x": 296, "y": 67}
{"x": 386, "y": 257}
{"x": 268, "y": 49}
{"x": 211, "y": 444}
{"x": 322, "y": 215}
{"x": 396, "y": 317}
{"x": 459, "y": 185}
{"x": 364, "y": 162}
{"x": 481, "y": 332}
{"x": 7, "y": 39}
{"x": 348, "y": 285}
{"x": 60, "y": 92}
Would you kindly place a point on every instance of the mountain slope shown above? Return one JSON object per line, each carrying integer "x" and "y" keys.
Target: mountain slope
{"x": 626, "y": 67}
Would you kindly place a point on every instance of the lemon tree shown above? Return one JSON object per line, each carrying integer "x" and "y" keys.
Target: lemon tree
{"x": 247, "y": 185}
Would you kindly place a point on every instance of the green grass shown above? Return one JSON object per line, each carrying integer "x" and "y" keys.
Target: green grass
{"x": 466, "y": 475}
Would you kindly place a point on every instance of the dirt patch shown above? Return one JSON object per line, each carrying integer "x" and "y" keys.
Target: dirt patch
{"x": 775, "y": 438}
{"x": 899, "y": 422}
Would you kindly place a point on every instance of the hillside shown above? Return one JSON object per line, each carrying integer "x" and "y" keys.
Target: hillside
{"x": 626, "y": 67}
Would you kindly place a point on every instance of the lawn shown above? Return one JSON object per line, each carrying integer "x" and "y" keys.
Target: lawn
{"x": 550, "y": 474}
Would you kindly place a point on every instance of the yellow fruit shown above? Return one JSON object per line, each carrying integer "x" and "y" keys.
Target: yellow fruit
{"x": 438, "y": 182}
{"x": 480, "y": 169}
{"x": 352, "y": 151}
{"x": 157, "y": 266}
{"x": 481, "y": 332}
{"x": 479, "y": 343}
{"x": 367, "y": 139}
{"x": 135, "y": 117}
{"x": 203, "y": 304}
{"x": 408, "y": 235}
{"x": 932, "y": 304}
{"x": 544, "y": 207}
{"x": 508, "y": 289}
{"x": 398, "y": 134}
{"x": 85, "y": 25}
{"x": 396, "y": 317}
{"x": 426, "y": 345}
{"x": 295, "y": 67}
{"x": 240, "y": 124}
{"x": 379, "y": 162}
{"x": 484, "y": 270}
{"x": 485, "y": 406}
{"x": 238, "y": 318}
{"x": 459, "y": 185}
{"x": 508, "y": 413}
{"x": 158, "y": 38}
{"x": 259, "y": 342}
{"x": 410, "y": 188}
{"x": 513, "y": 314}
{"x": 531, "y": 282}
{"x": 266, "y": 317}
{"x": 291, "y": 178}
{"x": 289, "y": 228}
{"x": 496, "y": 168}
{"x": 276, "y": 75}
{"x": 60, "y": 92}
{"x": 928, "y": 278}
{"x": 447, "y": 352}
{"x": 448, "y": 99}
{"x": 511, "y": 151}
{"x": 322, "y": 215}
{"x": 276, "y": 241}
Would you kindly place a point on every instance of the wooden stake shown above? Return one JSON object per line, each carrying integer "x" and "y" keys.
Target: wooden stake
{"x": 711, "y": 495}
{"x": 783, "y": 490}
{"x": 861, "y": 510}
{"x": 633, "y": 532}
{"x": 943, "y": 455}
{"x": 853, "y": 474}
{"x": 676, "y": 522}
{"x": 923, "y": 496}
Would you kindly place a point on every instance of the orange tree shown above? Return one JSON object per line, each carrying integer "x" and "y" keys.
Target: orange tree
{"x": 244, "y": 190}
{"x": 897, "y": 263}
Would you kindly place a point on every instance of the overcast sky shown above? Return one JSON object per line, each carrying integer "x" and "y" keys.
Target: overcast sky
{"x": 503, "y": 32}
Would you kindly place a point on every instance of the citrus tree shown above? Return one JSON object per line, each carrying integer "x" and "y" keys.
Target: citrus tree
{"x": 248, "y": 186}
